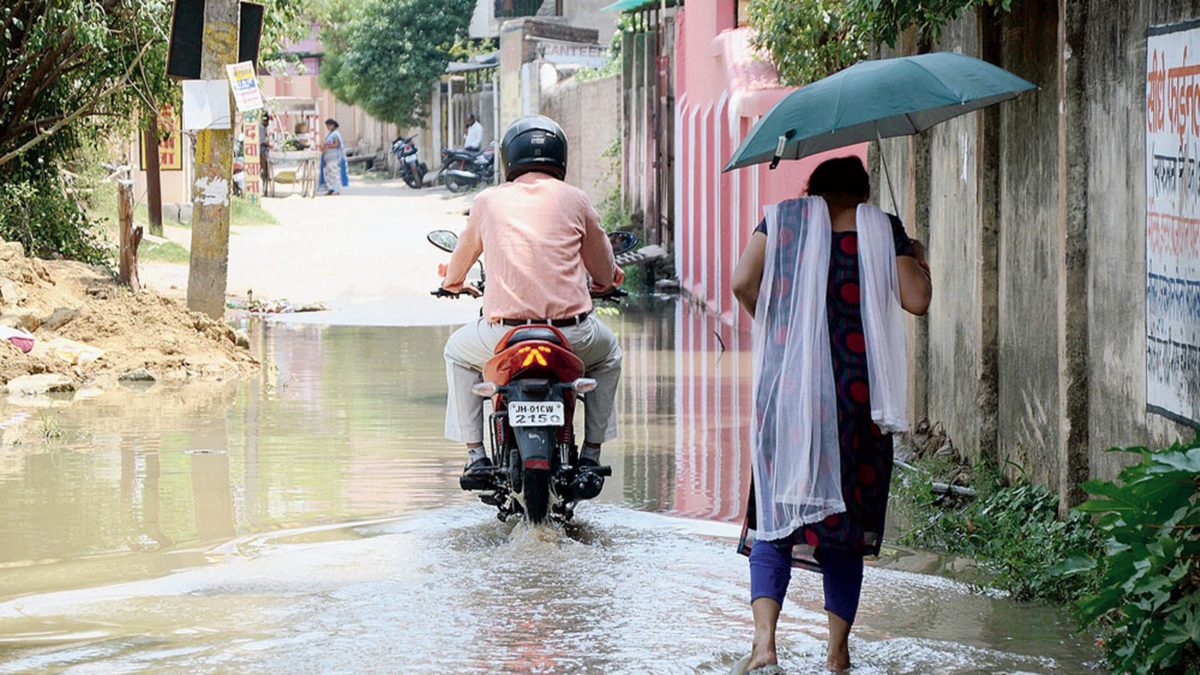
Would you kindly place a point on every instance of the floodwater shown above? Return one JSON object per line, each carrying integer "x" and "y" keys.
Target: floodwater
{"x": 309, "y": 520}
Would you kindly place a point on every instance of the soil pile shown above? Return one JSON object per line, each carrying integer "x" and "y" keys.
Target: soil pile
{"x": 89, "y": 329}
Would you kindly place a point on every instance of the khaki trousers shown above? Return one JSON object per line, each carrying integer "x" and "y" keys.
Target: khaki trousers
{"x": 473, "y": 345}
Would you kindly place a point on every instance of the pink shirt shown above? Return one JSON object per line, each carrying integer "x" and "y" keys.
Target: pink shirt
{"x": 543, "y": 240}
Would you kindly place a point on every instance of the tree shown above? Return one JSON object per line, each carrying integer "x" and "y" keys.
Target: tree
{"x": 384, "y": 55}
{"x": 74, "y": 73}
{"x": 810, "y": 39}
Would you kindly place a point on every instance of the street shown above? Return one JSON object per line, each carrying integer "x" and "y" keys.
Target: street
{"x": 309, "y": 519}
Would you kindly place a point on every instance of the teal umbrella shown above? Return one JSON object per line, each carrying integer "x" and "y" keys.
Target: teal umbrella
{"x": 873, "y": 100}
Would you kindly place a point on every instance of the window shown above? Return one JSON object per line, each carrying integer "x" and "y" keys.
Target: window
{"x": 743, "y": 13}
{"x": 507, "y": 9}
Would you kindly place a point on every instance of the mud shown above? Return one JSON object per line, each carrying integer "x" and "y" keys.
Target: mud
{"x": 60, "y": 301}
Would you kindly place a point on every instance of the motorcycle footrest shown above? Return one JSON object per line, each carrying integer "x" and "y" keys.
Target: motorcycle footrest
{"x": 598, "y": 470}
{"x": 476, "y": 481}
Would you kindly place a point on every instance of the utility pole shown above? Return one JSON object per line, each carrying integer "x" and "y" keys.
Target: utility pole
{"x": 153, "y": 173}
{"x": 213, "y": 174}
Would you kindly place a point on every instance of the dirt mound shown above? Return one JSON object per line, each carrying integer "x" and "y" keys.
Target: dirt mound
{"x": 88, "y": 328}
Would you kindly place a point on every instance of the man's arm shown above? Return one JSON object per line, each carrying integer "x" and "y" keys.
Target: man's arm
{"x": 597, "y": 253}
{"x": 470, "y": 247}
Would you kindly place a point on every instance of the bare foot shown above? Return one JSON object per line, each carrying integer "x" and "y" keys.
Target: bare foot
{"x": 762, "y": 653}
{"x": 838, "y": 660}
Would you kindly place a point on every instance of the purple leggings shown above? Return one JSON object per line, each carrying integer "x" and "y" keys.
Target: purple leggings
{"x": 771, "y": 570}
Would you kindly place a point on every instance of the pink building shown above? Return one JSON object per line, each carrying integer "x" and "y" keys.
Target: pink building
{"x": 722, "y": 88}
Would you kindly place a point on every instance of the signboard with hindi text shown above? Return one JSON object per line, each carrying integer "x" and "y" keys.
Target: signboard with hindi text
{"x": 250, "y": 154}
{"x": 170, "y": 151}
{"x": 1173, "y": 221}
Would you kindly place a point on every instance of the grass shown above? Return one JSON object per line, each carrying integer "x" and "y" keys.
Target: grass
{"x": 103, "y": 207}
{"x": 167, "y": 251}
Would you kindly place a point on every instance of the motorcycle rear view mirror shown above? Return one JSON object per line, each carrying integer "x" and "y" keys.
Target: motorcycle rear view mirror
{"x": 623, "y": 241}
{"x": 443, "y": 239}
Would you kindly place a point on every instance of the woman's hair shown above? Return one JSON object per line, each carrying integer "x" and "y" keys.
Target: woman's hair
{"x": 842, "y": 175}
{"x": 333, "y": 122}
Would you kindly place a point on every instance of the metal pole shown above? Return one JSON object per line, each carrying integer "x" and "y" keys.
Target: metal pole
{"x": 213, "y": 175}
{"x": 886, "y": 176}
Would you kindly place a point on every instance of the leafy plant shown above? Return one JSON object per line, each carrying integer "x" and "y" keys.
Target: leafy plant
{"x": 1149, "y": 573}
{"x": 1014, "y": 533}
{"x": 810, "y": 39}
{"x": 384, "y": 55}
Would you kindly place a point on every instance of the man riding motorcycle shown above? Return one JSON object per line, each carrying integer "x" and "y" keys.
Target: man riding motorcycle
{"x": 543, "y": 240}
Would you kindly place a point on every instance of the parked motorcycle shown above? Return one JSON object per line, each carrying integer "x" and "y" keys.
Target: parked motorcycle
{"x": 534, "y": 381}
{"x": 408, "y": 158}
{"x": 464, "y": 169}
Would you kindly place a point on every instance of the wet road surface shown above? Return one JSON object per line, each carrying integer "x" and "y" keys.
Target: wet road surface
{"x": 309, "y": 520}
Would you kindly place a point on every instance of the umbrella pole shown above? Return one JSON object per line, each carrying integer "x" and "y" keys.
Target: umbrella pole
{"x": 886, "y": 176}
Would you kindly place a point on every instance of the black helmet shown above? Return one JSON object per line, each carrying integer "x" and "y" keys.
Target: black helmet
{"x": 534, "y": 143}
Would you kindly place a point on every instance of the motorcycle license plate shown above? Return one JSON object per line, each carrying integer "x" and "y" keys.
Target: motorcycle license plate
{"x": 535, "y": 413}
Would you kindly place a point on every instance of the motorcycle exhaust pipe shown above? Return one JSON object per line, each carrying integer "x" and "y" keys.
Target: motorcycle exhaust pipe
{"x": 464, "y": 175}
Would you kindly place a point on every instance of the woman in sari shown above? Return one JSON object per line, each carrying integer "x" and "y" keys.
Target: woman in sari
{"x": 825, "y": 278}
{"x": 333, "y": 175}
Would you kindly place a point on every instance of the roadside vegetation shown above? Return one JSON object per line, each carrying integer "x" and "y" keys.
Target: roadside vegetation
{"x": 77, "y": 73}
{"x": 810, "y": 39}
{"x": 384, "y": 55}
{"x": 1127, "y": 561}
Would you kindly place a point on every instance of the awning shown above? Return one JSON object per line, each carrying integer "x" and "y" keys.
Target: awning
{"x": 634, "y": 5}
{"x": 480, "y": 62}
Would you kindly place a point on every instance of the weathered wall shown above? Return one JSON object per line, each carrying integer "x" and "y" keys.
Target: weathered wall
{"x": 1029, "y": 255}
{"x": 1036, "y": 344}
{"x": 590, "y": 113}
{"x": 1115, "y": 68}
{"x": 955, "y": 240}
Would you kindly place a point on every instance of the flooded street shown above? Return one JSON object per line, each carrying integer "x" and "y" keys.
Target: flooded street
{"x": 310, "y": 520}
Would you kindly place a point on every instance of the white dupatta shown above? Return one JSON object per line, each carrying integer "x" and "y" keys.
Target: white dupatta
{"x": 797, "y": 460}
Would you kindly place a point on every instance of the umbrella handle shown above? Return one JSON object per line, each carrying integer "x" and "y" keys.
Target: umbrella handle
{"x": 780, "y": 147}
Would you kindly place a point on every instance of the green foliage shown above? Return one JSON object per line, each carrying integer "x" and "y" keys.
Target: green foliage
{"x": 45, "y": 215}
{"x": 75, "y": 73}
{"x": 1014, "y": 533}
{"x": 1149, "y": 572}
{"x": 384, "y": 55}
{"x": 810, "y": 39}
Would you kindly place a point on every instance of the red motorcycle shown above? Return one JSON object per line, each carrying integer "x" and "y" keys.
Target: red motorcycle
{"x": 534, "y": 382}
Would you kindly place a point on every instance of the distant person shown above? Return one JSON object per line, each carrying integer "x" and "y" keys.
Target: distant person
{"x": 825, "y": 278}
{"x": 333, "y": 174}
{"x": 474, "y": 134}
{"x": 264, "y": 151}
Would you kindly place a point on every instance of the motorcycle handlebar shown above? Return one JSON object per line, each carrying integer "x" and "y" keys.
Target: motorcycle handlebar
{"x": 614, "y": 294}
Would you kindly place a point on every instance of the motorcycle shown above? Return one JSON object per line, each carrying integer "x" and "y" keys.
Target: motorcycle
{"x": 534, "y": 381}
{"x": 408, "y": 158}
{"x": 464, "y": 169}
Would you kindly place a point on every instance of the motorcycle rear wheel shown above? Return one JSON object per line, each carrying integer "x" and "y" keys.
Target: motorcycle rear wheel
{"x": 535, "y": 485}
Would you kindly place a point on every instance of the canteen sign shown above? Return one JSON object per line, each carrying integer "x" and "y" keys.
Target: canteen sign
{"x": 1173, "y": 221}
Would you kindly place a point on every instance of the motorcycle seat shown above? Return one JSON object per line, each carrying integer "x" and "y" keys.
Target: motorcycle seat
{"x": 538, "y": 333}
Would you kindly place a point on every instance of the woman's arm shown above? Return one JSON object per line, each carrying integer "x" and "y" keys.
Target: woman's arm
{"x": 747, "y": 277}
{"x": 916, "y": 288}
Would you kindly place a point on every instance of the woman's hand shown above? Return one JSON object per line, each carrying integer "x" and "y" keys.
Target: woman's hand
{"x": 916, "y": 287}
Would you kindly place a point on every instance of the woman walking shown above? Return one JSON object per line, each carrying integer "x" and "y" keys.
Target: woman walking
{"x": 333, "y": 174}
{"x": 825, "y": 278}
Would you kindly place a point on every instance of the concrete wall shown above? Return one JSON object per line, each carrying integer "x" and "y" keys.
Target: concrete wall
{"x": 1115, "y": 72}
{"x": 1034, "y": 353}
{"x": 590, "y": 113}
